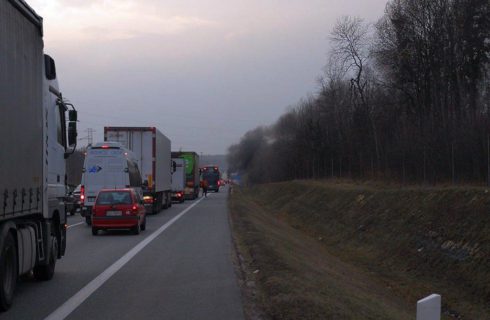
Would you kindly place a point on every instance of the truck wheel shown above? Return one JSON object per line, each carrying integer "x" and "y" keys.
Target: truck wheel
{"x": 46, "y": 272}
{"x": 8, "y": 272}
{"x": 169, "y": 199}
{"x": 165, "y": 205}
{"x": 143, "y": 225}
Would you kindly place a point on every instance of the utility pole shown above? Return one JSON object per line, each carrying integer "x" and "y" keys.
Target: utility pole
{"x": 452, "y": 163}
{"x": 488, "y": 160}
{"x": 90, "y": 136}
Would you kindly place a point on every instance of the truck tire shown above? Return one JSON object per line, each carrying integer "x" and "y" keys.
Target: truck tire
{"x": 143, "y": 225}
{"x": 165, "y": 205}
{"x": 46, "y": 272}
{"x": 8, "y": 272}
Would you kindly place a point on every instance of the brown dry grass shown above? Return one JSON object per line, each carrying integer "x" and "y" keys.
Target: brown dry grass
{"x": 352, "y": 251}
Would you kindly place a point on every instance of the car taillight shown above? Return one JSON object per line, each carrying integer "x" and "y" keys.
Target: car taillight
{"x": 82, "y": 194}
{"x": 148, "y": 199}
{"x": 135, "y": 208}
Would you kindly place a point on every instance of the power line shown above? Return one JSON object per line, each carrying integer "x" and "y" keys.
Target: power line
{"x": 89, "y": 137}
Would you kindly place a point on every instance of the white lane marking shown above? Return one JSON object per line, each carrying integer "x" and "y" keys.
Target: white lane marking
{"x": 75, "y": 224}
{"x": 76, "y": 300}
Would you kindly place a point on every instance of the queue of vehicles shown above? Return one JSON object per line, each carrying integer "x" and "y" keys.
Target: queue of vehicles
{"x": 124, "y": 178}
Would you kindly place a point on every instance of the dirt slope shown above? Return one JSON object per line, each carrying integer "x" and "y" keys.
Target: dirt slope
{"x": 327, "y": 250}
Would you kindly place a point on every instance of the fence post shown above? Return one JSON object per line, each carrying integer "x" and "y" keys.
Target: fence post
{"x": 429, "y": 308}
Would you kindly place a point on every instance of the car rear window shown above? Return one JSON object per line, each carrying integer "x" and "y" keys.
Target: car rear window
{"x": 114, "y": 197}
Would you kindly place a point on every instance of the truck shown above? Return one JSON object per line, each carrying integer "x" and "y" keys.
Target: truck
{"x": 36, "y": 138}
{"x": 152, "y": 152}
{"x": 178, "y": 180}
{"x": 107, "y": 165}
{"x": 191, "y": 172}
{"x": 211, "y": 174}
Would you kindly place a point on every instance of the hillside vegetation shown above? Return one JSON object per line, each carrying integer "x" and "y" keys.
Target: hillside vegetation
{"x": 340, "y": 250}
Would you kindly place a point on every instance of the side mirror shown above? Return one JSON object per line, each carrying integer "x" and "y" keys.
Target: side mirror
{"x": 72, "y": 132}
{"x": 73, "y": 115}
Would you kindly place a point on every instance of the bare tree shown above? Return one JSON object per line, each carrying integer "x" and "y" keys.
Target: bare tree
{"x": 351, "y": 41}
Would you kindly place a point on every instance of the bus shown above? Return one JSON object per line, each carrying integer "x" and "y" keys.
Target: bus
{"x": 212, "y": 175}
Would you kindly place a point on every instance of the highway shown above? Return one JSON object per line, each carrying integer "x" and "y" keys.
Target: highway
{"x": 179, "y": 268}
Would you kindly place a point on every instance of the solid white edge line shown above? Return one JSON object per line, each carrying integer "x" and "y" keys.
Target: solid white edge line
{"x": 75, "y": 224}
{"x": 78, "y": 298}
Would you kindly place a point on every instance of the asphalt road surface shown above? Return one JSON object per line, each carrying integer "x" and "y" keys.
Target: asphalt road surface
{"x": 179, "y": 268}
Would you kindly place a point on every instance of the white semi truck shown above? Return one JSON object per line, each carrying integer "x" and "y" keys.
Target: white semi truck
{"x": 152, "y": 151}
{"x": 35, "y": 140}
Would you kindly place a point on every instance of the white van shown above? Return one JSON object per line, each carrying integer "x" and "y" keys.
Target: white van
{"x": 107, "y": 165}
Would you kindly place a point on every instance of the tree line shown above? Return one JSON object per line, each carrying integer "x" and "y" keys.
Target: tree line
{"x": 405, "y": 98}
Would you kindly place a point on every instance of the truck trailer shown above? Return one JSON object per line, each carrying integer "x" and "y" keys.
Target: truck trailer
{"x": 151, "y": 149}
{"x": 178, "y": 180}
{"x": 35, "y": 140}
{"x": 191, "y": 172}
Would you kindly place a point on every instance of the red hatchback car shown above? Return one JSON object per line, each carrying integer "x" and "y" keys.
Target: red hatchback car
{"x": 118, "y": 209}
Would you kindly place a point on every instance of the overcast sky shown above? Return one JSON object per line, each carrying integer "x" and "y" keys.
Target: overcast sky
{"x": 203, "y": 71}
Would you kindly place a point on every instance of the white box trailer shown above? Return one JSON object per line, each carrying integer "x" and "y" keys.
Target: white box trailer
{"x": 152, "y": 151}
{"x": 178, "y": 180}
{"x": 34, "y": 145}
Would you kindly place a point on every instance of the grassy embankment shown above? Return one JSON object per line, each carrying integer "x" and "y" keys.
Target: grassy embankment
{"x": 339, "y": 250}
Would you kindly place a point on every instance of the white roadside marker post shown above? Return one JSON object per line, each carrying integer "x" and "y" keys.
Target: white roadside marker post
{"x": 429, "y": 308}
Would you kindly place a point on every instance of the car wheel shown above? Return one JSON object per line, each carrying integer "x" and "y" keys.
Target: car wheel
{"x": 137, "y": 229}
{"x": 8, "y": 272}
{"x": 95, "y": 231}
{"x": 143, "y": 225}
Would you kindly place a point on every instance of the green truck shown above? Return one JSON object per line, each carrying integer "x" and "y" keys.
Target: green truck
{"x": 191, "y": 159}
